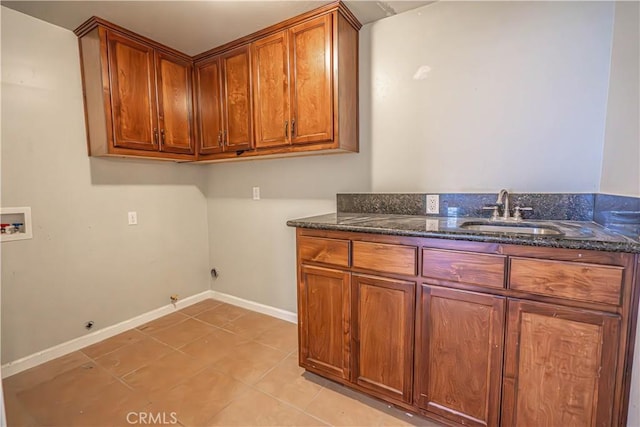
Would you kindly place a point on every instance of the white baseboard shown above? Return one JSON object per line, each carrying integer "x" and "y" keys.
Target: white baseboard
{"x": 59, "y": 350}
{"x": 256, "y": 306}
{"x": 75, "y": 344}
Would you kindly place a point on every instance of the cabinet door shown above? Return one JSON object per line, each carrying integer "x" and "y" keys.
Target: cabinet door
{"x": 133, "y": 93}
{"x": 174, "y": 104}
{"x": 382, "y": 321}
{"x": 312, "y": 81}
{"x": 209, "y": 98}
{"x": 324, "y": 317}
{"x": 237, "y": 99}
{"x": 459, "y": 355}
{"x": 560, "y": 366}
{"x": 271, "y": 90}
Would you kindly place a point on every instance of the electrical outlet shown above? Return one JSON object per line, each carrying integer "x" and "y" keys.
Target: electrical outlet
{"x": 133, "y": 218}
{"x": 256, "y": 193}
{"x": 433, "y": 204}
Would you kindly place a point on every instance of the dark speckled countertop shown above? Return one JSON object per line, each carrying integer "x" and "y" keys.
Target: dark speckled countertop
{"x": 584, "y": 235}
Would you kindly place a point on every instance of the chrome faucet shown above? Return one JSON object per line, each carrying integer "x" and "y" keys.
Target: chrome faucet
{"x": 503, "y": 200}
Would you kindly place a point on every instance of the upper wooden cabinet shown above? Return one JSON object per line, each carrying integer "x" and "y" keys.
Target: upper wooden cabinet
{"x": 223, "y": 88}
{"x": 138, "y": 97}
{"x": 293, "y": 81}
{"x": 312, "y": 81}
{"x": 304, "y": 86}
{"x": 175, "y": 116}
{"x": 272, "y": 116}
{"x": 288, "y": 89}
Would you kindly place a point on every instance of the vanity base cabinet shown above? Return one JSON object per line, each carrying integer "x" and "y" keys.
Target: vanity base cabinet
{"x": 382, "y": 326}
{"x": 471, "y": 333}
{"x": 459, "y": 355}
{"x": 560, "y": 366}
{"x": 324, "y": 297}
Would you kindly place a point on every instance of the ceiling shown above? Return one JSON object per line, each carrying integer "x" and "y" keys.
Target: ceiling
{"x": 193, "y": 27}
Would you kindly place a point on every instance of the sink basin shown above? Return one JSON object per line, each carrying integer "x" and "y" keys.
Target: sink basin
{"x": 510, "y": 227}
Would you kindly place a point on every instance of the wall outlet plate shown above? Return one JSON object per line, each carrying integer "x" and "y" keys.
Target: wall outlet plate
{"x": 256, "y": 193}
{"x": 132, "y": 218}
{"x": 433, "y": 204}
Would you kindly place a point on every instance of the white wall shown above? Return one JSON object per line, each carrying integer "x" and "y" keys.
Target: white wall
{"x": 515, "y": 98}
{"x": 84, "y": 262}
{"x": 621, "y": 158}
{"x": 250, "y": 244}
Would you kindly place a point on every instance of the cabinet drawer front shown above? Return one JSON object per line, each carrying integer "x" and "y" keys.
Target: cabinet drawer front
{"x": 579, "y": 281}
{"x": 464, "y": 267}
{"x": 385, "y": 258}
{"x": 326, "y": 251}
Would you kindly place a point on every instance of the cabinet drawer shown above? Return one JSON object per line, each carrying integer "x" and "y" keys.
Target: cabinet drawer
{"x": 385, "y": 258}
{"x": 579, "y": 281}
{"x": 326, "y": 251}
{"x": 464, "y": 267}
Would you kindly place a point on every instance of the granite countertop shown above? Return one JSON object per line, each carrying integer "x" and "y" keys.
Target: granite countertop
{"x": 586, "y": 235}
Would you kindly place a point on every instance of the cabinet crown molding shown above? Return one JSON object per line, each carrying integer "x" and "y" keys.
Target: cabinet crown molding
{"x": 339, "y": 6}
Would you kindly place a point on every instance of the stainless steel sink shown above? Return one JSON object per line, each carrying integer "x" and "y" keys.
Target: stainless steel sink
{"x": 512, "y": 228}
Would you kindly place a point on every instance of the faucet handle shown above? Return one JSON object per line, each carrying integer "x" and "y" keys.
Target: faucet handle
{"x": 494, "y": 214}
{"x": 517, "y": 212}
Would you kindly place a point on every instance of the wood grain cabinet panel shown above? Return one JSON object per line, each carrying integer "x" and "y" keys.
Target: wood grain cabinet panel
{"x": 325, "y": 251}
{"x": 223, "y": 87}
{"x": 572, "y": 280}
{"x": 560, "y": 366}
{"x": 464, "y": 267}
{"x": 175, "y": 104}
{"x": 382, "y": 326}
{"x": 133, "y": 93}
{"x": 209, "y": 98}
{"x": 271, "y": 90}
{"x": 324, "y": 297}
{"x": 236, "y": 84}
{"x": 312, "y": 80}
{"x": 385, "y": 258}
{"x": 459, "y": 354}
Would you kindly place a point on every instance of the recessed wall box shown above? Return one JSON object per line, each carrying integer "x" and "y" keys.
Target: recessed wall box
{"x": 15, "y": 224}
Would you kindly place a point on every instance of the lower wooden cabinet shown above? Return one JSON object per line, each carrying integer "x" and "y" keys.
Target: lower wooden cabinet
{"x": 459, "y": 355}
{"x": 471, "y": 334}
{"x": 560, "y": 366}
{"x": 324, "y": 320}
{"x": 382, "y": 322}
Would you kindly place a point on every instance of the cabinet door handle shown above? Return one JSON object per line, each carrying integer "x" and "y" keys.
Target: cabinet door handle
{"x": 162, "y": 136}
{"x": 224, "y": 137}
{"x": 155, "y": 136}
{"x": 286, "y": 128}
{"x": 293, "y": 127}
{"x": 219, "y": 137}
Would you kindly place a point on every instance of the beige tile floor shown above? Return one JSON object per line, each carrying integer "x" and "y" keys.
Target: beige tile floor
{"x": 210, "y": 364}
